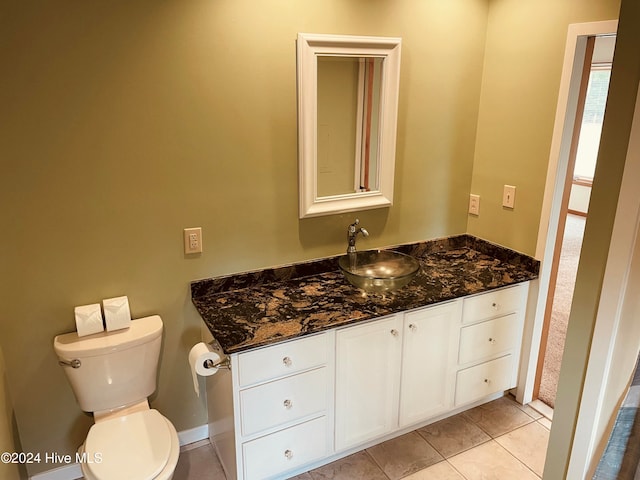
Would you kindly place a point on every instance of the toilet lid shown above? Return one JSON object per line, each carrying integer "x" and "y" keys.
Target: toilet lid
{"x": 134, "y": 446}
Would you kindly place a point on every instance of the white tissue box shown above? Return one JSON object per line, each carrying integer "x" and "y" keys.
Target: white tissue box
{"x": 88, "y": 319}
{"x": 116, "y": 313}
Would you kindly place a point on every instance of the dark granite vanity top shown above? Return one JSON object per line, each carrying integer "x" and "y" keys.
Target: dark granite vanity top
{"x": 259, "y": 308}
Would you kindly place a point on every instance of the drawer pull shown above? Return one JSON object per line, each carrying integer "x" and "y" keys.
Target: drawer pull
{"x": 412, "y": 327}
{"x": 492, "y": 340}
{"x": 394, "y": 332}
{"x": 287, "y": 403}
{"x": 287, "y": 361}
{"x": 288, "y": 454}
{"x": 495, "y": 306}
{"x": 487, "y": 381}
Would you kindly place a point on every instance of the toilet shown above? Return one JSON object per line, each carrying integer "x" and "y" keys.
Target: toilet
{"x": 112, "y": 374}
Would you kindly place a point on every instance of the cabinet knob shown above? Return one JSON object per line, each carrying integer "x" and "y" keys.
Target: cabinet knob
{"x": 412, "y": 327}
{"x": 288, "y": 454}
{"x": 487, "y": 381}
{"x": 287, "y": 361}
{"x": 394, "y": 332}
{"x": 495, "y": 306}
{"x": 287, "y": 403}
{"x": 492, "y": 340}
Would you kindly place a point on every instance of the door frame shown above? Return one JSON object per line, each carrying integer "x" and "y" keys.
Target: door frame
{"x": 564, "y": 205}
{"x": 557, "y": 172}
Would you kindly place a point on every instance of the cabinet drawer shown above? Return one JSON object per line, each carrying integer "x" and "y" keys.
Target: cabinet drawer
{"x": 282, "y": 451}
{"x": 283, "y": 401}
{"x": 484, "y": 379}
{"x": 488, "y": 339}
{"x": 493, "y": 304}
{"x": 282, "y": 359}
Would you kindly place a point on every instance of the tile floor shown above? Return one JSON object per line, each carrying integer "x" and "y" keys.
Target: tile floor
{"x": 495, "y": 441}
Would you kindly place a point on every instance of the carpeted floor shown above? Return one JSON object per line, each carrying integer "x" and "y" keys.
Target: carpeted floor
{"x": 570, "y": 254}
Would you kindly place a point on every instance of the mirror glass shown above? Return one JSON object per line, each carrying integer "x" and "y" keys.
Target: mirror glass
{"x": 347, "y": 115}
{"x": 348, "y": 123}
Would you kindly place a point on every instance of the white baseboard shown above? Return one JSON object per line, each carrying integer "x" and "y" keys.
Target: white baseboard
{"x": 193, "y": 435}
{"x": 73, "y": 470}
{"x": 68, "y": 472}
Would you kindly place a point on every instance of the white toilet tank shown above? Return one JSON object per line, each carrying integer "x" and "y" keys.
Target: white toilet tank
{"x": 116, "y": 368}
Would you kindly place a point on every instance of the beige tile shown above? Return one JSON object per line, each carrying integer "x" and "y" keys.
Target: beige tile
{"x": 498, "y": 417}
{"x": 199, "y": 464}
{"x": 542, "y": 408}
{"x": 404, "y": 455}
{"x": 358, "y": 465}
{"x": 439, "y": 471}
{"x": 545, "y": 422}
{"x": 528, "y": 444}
{"x": 490, "y": 461}
{"x": 453, "y": 435}
{"x": 532, "y": 412}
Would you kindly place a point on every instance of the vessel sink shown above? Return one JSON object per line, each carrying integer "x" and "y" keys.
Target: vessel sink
{"x": 378, "y": 270}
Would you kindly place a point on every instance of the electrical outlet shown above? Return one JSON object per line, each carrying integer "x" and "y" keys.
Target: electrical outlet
{"x": 192, "y": 240}
{"x": 509, "y": 196}
{"x": 474, "y": 204}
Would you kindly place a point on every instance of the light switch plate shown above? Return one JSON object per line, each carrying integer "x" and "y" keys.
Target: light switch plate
{"x": 474, "y": 204}
{"x": 509, "y": 196}
{"x": 192, "y": 240}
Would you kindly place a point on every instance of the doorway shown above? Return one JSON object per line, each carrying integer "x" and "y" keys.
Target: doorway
{"x": 583, "y": 152}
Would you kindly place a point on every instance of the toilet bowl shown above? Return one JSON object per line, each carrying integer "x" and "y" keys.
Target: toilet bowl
{"x": 146, "y": 447}
{"x": 111, "y": 375}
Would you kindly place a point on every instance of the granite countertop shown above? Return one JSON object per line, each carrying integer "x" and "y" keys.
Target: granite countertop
{"x": 254, "y": 309}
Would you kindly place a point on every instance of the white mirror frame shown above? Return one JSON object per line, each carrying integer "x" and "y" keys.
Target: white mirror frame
{"x": 309, "y": 47}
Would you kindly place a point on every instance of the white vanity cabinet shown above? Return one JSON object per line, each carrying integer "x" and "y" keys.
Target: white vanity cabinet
{"x": 367, "y": 380}
{"x": 430, "y": 346}
{"x": 295, "y": 405}
{"x": 394, "y": 372}
{"x": 490, "y": 343}
{"x": 283, "y": 404}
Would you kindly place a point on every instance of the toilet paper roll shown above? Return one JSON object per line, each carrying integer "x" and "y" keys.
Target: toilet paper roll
{"x": 199, "y": 354}
{"x": 88, "y": 319}
{"x": 116, "y": 313}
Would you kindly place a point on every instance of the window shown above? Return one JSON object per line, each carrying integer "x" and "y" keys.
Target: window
{"x": 591, "y": 127}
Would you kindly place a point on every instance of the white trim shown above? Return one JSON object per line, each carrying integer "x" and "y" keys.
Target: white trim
{"x": 309, "y": 47}
{"x": 193, "y": 435}
{"x": 556, "y": 174}
{"x": 73, "y": 470}
{"x": 68, "y": 472}
{"x": 564, "y": 122}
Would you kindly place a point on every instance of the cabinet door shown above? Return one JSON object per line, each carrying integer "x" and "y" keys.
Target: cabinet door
{"x": 367, "y": 380}
{"x": 495, "y": 303}
{"x": 269, "y": 456}
{"x": 485, "y": 340}
{"x": 283, "y": 401}
{"x": 428, "y": 361}
{"x": 484, "y": 379}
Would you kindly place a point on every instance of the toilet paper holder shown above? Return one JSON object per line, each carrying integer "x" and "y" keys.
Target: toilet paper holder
{"x": 224, "y": 363}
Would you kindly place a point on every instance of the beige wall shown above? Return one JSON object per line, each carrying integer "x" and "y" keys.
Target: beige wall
{"x": 124, "y": 122}
{"x": 521, "y": 78}
{"x": 8, "y": 471}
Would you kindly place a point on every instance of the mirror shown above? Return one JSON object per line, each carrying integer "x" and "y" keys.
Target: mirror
{"x": 347, "y": 115}
{"x": 348, "y": 120}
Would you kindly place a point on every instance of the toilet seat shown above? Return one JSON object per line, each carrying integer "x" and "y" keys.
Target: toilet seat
{"x": 141, "y": 446}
